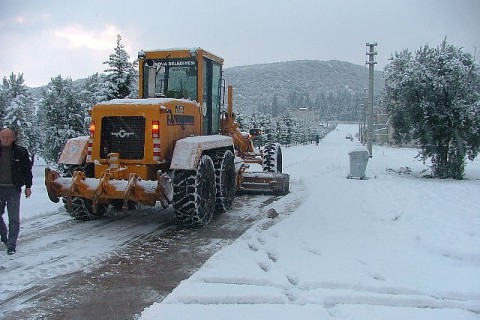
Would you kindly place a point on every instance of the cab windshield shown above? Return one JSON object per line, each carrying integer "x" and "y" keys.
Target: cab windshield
{"x": 170, "y": 78}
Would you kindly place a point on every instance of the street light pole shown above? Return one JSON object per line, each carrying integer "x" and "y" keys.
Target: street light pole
{"x": 371, "y": 54}
{"x": 360, "y": 123}
{"x": 364, "y": 116}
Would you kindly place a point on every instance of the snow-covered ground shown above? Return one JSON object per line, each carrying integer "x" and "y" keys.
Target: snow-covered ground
{"x": 394, "y": 246}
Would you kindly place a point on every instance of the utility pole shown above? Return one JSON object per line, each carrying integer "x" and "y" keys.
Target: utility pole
{"x": 364, "y": 116}
{"x": 360, "y": 129}
{"x": 371, "y": 55}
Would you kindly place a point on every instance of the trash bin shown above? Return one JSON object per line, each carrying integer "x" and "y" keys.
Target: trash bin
{"x": 358, "y": 163}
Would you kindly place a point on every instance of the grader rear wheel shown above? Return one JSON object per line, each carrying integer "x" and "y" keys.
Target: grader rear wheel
{"x": 224, "y": 163}
{"x": 194, "y": 194}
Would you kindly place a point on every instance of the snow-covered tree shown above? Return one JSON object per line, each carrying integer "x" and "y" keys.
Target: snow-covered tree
{"x": 263, "y": 123}
{"x": 434, "y": 99}
{"x": 17, "y": 110}
{"x": 286, "y": 130}
{"x": 269, "y": 131}
{"x": 275, "y": 107}
{"x": 93, "y": 92}
{"x": 301, "y": 132}
{"x": 121, "y": 74}
{"x": 61, "y": 116}
{"x": 3, "y": 102}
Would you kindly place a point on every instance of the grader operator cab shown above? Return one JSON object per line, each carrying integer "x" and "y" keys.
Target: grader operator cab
{"x": 176, "y": 145}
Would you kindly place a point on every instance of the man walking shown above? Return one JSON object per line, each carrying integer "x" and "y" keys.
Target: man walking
{"x": 15, "y": 172}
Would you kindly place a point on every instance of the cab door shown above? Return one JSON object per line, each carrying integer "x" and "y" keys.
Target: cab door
{"x": 212, "y": 75}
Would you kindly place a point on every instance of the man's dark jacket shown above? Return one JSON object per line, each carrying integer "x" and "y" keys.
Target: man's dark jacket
{"x": 21, "y": 166}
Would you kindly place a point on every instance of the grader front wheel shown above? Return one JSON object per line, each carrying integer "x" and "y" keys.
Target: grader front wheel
{"x": 118, "y": 205}
{"x": 82, "y": 209}
{"x": 194, "y": 194}
{"x": 272, "y": 158}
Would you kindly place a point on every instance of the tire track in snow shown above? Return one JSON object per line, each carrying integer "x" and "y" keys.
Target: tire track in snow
{"x": 334, "y": 294}
{"x": 55, "y": 245}
{"x": 144, "y": 256}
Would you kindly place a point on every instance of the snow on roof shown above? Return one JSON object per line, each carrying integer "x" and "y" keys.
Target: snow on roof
{"x": 358, "y": 149}
{"x": 174, "y": 49}
{"x": 143, "y": 101}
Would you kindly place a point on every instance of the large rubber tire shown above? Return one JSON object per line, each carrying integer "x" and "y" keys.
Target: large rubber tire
{"x": 82, "y": 209}
{"x": 194, "y": 194}
{"x": 225, "y": 180}
{"x": 272, "y": 158}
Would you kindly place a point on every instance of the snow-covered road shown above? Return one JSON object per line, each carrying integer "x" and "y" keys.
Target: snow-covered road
{"x": 60, "y": 261}
{"x": 54, "y": 244}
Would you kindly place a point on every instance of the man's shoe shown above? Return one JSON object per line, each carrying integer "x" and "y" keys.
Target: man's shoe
{"x": 11, "y": 251}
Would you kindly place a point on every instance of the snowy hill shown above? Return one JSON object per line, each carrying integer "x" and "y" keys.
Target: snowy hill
{"x": 395, "y": 246}
{"x": 258, "y": 84}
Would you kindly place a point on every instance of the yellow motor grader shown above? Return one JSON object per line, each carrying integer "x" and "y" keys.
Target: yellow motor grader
{"x": 177, "y": 145}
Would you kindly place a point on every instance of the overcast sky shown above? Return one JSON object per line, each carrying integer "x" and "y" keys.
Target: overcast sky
{"x": 43, "y": 39}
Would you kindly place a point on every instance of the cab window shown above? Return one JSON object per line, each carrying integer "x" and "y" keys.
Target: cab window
{"x": 172, "y": 78}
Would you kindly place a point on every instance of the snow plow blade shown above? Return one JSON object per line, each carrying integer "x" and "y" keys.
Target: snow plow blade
{"x": 265, "y": 182}
{"x": 108, "y": 188}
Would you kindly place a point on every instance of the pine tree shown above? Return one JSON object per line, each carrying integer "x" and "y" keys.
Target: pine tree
{"x": 3, "y": 102}
{"x": 285, "y": 129}
{"x": 269, "y": 131}
{"x": 434, "y": 99}
{"x": 275, "y": 108}
{"x": 263, "y": 122}
{"x": 61, "y": 116}
{"x": 93, "y": 92}
{"x": 18, "y": 110}
{"x": 121, "y": 74}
